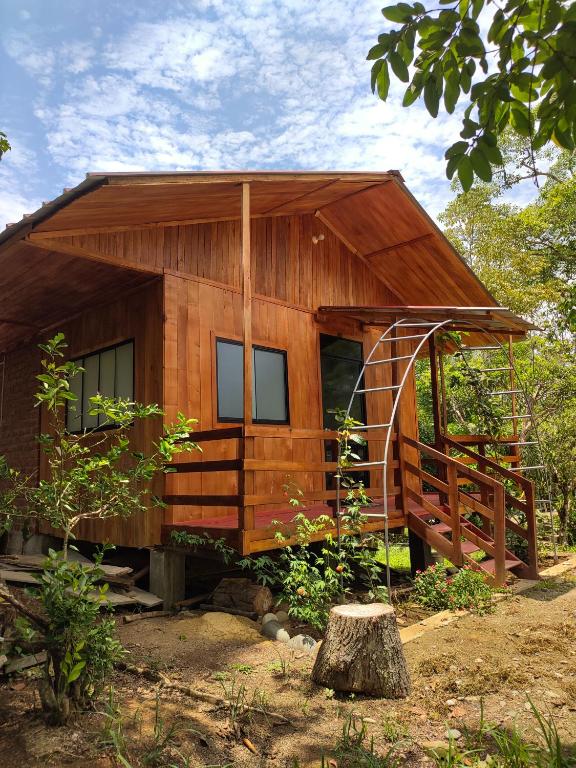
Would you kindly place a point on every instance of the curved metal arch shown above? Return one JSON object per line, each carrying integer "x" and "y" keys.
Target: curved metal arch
{"x": 423, "y": 338}
{"x": 433, "y": 327}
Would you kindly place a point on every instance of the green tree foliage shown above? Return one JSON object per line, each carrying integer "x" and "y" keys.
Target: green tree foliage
{"x": 4, "y": 144}
{"x": 526, "y": 258}
{"x": 518, "y": 71}
{"x": 91, "y": 475}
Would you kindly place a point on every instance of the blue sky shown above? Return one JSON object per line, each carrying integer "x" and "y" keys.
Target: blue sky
{"x": 134, "y": 85}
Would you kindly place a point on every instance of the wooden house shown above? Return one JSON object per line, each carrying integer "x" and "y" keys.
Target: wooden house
{"x": 251, "y": 301}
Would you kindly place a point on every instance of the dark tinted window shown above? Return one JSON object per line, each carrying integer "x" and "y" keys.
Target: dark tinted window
{"x": 109, "y": 372}
{"x": 341, "y": 364}
{"x": 269, "y": 386}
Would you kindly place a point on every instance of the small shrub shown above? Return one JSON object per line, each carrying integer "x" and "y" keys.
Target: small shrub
{"x": 467, "y": 589}
{"x": 80, "y": 642}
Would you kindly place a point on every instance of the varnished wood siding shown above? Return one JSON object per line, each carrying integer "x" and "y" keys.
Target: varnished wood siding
{"x": 286, "y": 264}
{"x": 202, "y": 300}
{"x": 196, "y": 314}
{"x": 137, "y": 316}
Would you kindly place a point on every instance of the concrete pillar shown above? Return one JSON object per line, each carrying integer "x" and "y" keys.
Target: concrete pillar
{"x": 167, "y": 575}
{"x": 420, "y": 553}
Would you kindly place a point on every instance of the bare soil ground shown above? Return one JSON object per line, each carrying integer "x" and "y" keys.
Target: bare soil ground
{"x": 526, "y": 648}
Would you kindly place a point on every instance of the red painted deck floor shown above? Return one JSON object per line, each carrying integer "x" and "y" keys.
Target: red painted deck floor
{"x": 264, "y": 518}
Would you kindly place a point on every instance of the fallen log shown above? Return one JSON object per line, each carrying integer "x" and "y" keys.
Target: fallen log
{"x": 244, "y": 595}
{"x": 193, "y": 600}
{"x": 132, "y": 617}
{"x": 362, "y": 652}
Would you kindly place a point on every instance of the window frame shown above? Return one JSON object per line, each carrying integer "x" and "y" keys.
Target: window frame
{"x": 94, "y": 352}
{"x": 233, "y": 420}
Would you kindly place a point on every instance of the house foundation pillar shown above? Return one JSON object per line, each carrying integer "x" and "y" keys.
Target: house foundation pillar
{"x": 167, "y": 575}
{"x": 421, "y": 556}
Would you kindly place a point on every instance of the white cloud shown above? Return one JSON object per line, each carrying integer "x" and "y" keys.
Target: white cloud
{"x": 37, "y": 61}
{"x": 233, "y": 84}
{"x": 17, "y": 169}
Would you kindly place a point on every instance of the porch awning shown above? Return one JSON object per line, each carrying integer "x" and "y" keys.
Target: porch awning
{"x": 497, "y": 320}
{"x": 41, "y": 288}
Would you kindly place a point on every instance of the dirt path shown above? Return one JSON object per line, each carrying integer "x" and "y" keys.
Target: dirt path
{"x": 526, "y": 648}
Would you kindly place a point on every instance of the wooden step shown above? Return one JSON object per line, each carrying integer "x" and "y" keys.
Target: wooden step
{"x": 441, "y": 528}
{"x": 468, "y": 547}
{"x": 490, "y": 565}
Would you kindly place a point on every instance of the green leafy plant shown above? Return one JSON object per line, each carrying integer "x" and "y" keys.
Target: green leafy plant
{"x": 356, "y": 749}
{"x": 4, "y": 144}
{"x": 90, "y": 475}
{"x": 77, "y": 632}
{"x": 434, "y": 589}
{"x": 520, "y": 73}
{"x": 97, "y": 473}
{"x": 311, "y": 578}
{"x": 194, "y": 542}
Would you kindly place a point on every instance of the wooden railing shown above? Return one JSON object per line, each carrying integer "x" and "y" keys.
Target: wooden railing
{"x": 518, "y": 494}
{"x": 451, "y": 500}
{"x": 245, "y": 464}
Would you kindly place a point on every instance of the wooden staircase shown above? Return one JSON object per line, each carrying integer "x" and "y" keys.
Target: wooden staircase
{"x": 441, "y": 516}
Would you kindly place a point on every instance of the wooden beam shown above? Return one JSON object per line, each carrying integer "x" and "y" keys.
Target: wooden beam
{"x": 20, "y": 323}
{"x": 50, "y": 244}
{"x": 287, "y": 203}
{"x": 412, "y": 240}
{"x": 327, "y": 223}
{"x": 247, "y": 301}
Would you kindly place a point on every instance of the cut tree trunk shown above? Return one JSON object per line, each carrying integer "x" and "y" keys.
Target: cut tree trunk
{"x": 243, "y": 595}
{"x": 362, "y": 652}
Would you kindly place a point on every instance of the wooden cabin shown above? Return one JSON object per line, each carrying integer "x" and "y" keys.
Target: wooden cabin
{"x": 250, "y": 301}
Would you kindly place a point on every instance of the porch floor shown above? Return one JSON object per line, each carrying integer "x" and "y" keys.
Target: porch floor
{"x": 261, "y": 537}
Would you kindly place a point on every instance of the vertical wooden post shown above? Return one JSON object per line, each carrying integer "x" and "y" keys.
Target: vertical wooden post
{"x": 398, "y": 476}
{"x": 531, "y": 530}
{"x": 444, "y": 403}
{"x": 438, "y": 444}
{"x": 454, "y": 505}
{"x": 247, "y": 301}
{"x": 246, "y": 477}
{"x": 499, "y": 535}
{"x": 484, "y": 493}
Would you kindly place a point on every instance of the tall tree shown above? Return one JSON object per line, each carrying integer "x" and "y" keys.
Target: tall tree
{"x": 513, "y": 67}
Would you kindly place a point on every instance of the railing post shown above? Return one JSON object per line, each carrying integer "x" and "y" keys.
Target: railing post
{"x": 484, "y": 493}
{"x": 454, "y": 505}
{"x": 402, "y": 499}
{"x": 500, "y": 534}
{"x": 531, "y": 529}
{"x": 246, "y": 520}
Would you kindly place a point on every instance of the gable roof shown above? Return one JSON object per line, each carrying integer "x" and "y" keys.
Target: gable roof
{"x": 373, "y": 214}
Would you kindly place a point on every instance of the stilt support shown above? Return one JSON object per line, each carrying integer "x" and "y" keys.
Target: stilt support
{"x": 167, "y": 575}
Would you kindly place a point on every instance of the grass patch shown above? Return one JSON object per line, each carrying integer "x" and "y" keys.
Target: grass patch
{"x": 399, "y": 557}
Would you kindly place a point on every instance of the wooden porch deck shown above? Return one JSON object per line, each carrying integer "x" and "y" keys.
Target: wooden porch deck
{"x": 266, "y": 522}
{"x": 437, "y": 505}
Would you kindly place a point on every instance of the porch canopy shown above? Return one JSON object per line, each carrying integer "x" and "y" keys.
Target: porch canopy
{"x": 40, "y": 288}
{"x": 494, "y": 320}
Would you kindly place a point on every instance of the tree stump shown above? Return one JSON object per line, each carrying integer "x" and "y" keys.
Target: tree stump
{"x": 362, "y": 652}
{"x": 243, "y": 595}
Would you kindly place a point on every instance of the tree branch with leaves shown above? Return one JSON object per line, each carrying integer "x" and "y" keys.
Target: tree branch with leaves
{"x": 520, "y": 73}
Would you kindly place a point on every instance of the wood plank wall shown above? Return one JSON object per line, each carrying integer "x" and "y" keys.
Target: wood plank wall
{"x": 137, "y": 316}
{"x": 296, "y": 277}
{"x": 202, "y": 300}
